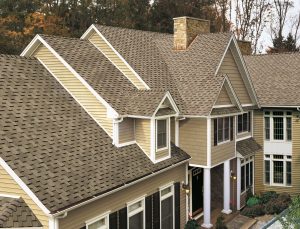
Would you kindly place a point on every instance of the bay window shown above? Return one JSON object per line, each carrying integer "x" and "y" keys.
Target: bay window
{"x": 246, "y": 173}
{"x": 278, "y": 125}
{"x": 136, "y": 215}
{"x": 278, "y": 169}
{"x": 244, "y": 122}
{"x": 223, "y": 129}
{"x": 167, "y": 207}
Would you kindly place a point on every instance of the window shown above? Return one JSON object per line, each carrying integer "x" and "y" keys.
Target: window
{"x": 278, "y": 169}
{"x": 167, "y": 207}
{"x": 136, "y": 215}
{"x": 100, "y": 222}
{"x": 244, "y": 122}
{"x": 246, "y": 173}
{"x": 223, "y": 129}
{"x": 278, "y": 125}
{"x": 161, "y": 133}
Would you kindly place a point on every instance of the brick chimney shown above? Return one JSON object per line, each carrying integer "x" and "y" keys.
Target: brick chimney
{"x": 245, "y": 47}
{"x": 186, "y": 29}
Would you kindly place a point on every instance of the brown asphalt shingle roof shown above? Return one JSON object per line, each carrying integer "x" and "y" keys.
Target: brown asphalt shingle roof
{"x": 276, "y": 78}
{"x": 247, "y": 147}
{"x": 188, "y": 75}
{"x": 54, "y": 146}
{"x": 15, "y": 213}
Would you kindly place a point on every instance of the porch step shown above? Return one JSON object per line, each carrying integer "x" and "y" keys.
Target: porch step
{"x": 241, "y": 222}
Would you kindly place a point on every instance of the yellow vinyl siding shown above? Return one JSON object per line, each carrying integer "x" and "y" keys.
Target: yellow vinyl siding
{"x": 193, "y": 139}
{"x": 259, "y": 157}
{"x": 230, "y": 68}
{"x": 76, "y": 218}
{"x": 96, "y": 40}
{"x": 161, "y": 154}
{"x": 10, "y": 187}
{"x": 79, "y": 91}
{"x": 143, "y": 133}
{"x": 126, "y": 130}
{"x": 223, "y": 98}
{"x": 223, "y": 151}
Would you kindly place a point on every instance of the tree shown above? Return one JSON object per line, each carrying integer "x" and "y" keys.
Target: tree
{"x": 288, "y": 44}
{"x": 292, "y": 218}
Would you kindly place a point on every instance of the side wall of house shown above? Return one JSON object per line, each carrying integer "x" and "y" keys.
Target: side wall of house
{"x": 10, "y": 187}
{"x": 76, "y": 218}
{"x": 143, "y": 134}
{"x": 230, "y": 68}
{"x": 79, "y": 91}
{"x": 96, "y": 40}
{"x": 126, "y": 130}
{"x": 193, "y": 140}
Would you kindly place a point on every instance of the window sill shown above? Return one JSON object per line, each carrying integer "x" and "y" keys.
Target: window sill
{"x": 221, "y": 143}
{"x": 279, "y": 185}
{"x": 243, "y": 132}
{"x": 161, "y": 149}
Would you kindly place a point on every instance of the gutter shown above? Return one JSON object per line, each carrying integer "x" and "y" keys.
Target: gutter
{"x": 118, "y": 189}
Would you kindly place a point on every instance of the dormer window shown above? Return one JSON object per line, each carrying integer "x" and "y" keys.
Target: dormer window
{"x": 161, "y": 134}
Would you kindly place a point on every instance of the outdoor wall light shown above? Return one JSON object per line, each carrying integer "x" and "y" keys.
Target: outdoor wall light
{"x": 232, "y": 175}
{"x": 186, "y": 188}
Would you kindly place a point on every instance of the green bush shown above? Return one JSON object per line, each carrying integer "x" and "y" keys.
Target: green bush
{"x": 220, "y": 223}
{"x": 276, "y": 206}
{"x": 192, "y": 224}
{"x": 252, "y": 201}
{"x": 268, "y": 196}
{"x": 249, "y": 194}
{"x": 254, "y": 211}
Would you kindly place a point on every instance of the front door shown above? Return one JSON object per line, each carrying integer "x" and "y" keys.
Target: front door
{"x": 197, "y": 190}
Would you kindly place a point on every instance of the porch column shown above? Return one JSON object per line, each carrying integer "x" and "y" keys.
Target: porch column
{"x": 206, "y": 199}
{"x": 226, "y": 194}
{"x": 238, "y": 183}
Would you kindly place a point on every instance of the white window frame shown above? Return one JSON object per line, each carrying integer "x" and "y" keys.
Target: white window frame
{"x": 167, "y": 134}
{"x": 244, "y": 162}
{"x": 284, "y": 116}
{"x": 271, "y": 160}
{"x": 161, "y": 198}
{"x": 104, "y": 216}
{"x": 229, "y": 129}
{"x": 136, "y": 211}
{"x": 249, "y": 120}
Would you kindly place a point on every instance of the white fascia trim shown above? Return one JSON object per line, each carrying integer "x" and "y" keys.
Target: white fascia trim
{"x": 224, "y": 54}
{"x": 233, "y": 92}
{"x": 45, "y": 66}
{"x": 23, "y": 186}
{"x": 239, "y": 155}
{"x": 225, "y": 115}
{"x": 100, "y": 99}
{"x": 199, "y": 166}
{"x": 245, "y": 69}
{"x": 174, "y": 106}
{"x": 223, "y": 106}
{"x": 9, "y": 196}
{"x": 126, "y": 143}
{"x": 152, "y": 139}
{"x": 88, "y": 33}
{"x": 121, "y": 188}
{"x": 243, "y": 138}
{"x": 31, "y": 47}
{"x": 276, "y": 106}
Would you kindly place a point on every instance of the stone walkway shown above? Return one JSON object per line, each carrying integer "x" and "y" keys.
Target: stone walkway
{"x": 241, "y": 222}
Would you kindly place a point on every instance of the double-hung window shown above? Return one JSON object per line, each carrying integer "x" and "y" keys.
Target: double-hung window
{"x": 246, "y": 173}
{"x": 136, "y": 215}
{"x": 100, "y": 222}
{"x": 278, "y": 125}
{"x": 161, "y": 134}
{"x": 223, "y": 128}
{"x": 244, "y": 122}
{"x": 167, "y": 207}
{"x": 278, "y": 169}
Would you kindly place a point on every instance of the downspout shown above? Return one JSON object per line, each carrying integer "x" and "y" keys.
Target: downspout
{"x": 54, "y": 221}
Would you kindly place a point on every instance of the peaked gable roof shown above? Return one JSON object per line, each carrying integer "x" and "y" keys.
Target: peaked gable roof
{"x": 55, "y": 147}
{"x": 276, "y": 78}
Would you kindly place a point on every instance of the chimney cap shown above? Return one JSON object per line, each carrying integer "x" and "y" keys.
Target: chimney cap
{"x": 193, "y": 18}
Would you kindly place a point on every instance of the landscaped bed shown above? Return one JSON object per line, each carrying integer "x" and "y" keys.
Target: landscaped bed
{"x": 270, "y": 203}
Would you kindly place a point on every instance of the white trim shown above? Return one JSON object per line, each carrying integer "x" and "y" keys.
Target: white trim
{"x": 121, "y": 188}
{"x": 58, "y": 80}
{"x": 225, "y": 115}
{"x": 246, "y": 160}
{"x": 88, "y": 32}
{"x": 223, "y": 56}
{"x": 99, "y": 217}
{"x": 99, "y": 98}
{"x": 31, "y": 47}
{"x": 161, "y": 198}
{"x": 174, "y": 106}
{"x": 276, "y": 106}
{"x": 23, "y": 186}
{"x": 136, "y": 211}
{"x": 248, "y": 105}
{"x": 199, "y": 166}
{"x": 152, "y": 139}
{"x": 208, "y": 136}
{"x": 9, "y": 196}
{"x": 126, "y": 143}
{"x": 243, "y": 138}
{"x": 22, "y": 228}
{"x": 187, "y": 197}
{"x": 177, "y": 132}
{"x": 223, "y": 106}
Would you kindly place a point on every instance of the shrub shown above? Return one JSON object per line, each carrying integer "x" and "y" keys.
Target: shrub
{"x": 257, "y": 210}
{"x": 268, "y": 196}
{"x": 279, "y": 204}
{"x": 220, "y": 223}
{"x": 192, "y": 224}
{"x": 252, "y": 201}
{"x": 249, "y": 194}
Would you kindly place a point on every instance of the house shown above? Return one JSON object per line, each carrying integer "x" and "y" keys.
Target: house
{"x": 131, "y": 129}
{"x": 276, "y": 79}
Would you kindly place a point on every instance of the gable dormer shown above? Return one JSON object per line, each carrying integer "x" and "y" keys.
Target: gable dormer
{"x": 102, "y": 44}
